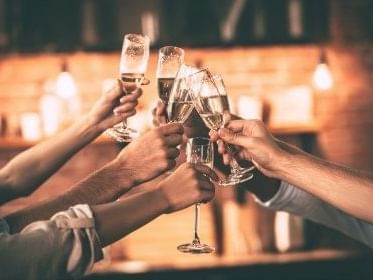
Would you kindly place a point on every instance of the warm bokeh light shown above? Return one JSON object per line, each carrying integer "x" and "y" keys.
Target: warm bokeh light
{"x": 322, "y": 78}
{"x": 30, "y": 126}
{"x": 65, "y": 85}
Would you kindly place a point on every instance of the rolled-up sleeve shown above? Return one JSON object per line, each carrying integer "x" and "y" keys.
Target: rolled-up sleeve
{"x": 296, "y": 201}
{"x": 64, "y": 247}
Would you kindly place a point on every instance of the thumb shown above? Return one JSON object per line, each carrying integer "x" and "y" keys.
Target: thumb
{"x": 232, "y": 138}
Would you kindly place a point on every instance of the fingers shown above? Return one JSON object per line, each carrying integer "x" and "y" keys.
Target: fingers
{"x": 171, "y": 128}
{"x": 233, "y": 138}
{"x": 145, "y": 82}
{"x": 207, "y": 195}
{"x": 159, "y": 114}
{"x": 214, "y": 136}
{"x": 174, "y": 139}
{"x": 125, "y": 114}
{"x": 243, "y": 125}
{"x": 115, "y": 91}
{"x": 227, "y": 158}
{"x": 160, "y": 110}
{"x": 128, "y": 107}
{"x": 172, "y": 153}
{"x": 206, "y": 187}
{"x": 206, "y": 172}
{"x": 129, "y": 102}
{"x": 204, "y": 176}
{"x": 128, "y": 87}
{"x": 131, "y": 97}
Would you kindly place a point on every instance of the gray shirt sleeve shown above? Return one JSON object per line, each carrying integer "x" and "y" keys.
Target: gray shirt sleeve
{"x": 296, "y": 201}
{"x": 64, "y": 247}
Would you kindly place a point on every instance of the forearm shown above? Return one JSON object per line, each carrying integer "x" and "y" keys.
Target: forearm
{"x": 347, "y": 189}
{"x": 298, "y": 202}
{"x": 117, "y": 219}
{"x": 105, "y": 185}
{"x": 31, "y": 168}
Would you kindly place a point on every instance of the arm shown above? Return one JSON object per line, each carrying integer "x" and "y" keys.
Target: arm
{"x": 345, "y": 188}
{"x": 23, "y": 174}
{"x": 192, "y": 186}
{"x": 349, "y": 190}
{"x": 298, "y": 202}
{"x": 71, "y": 241}
{"x": 137, "y": 163}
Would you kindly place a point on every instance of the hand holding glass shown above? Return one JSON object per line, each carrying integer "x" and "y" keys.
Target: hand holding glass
{"x": 133, "y": 64}
{"x": 199, "y": 151}
{"x": 211, "y": 102}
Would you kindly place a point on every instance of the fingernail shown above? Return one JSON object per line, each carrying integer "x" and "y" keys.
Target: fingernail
{"x": 122, "y": 100}
{"x": 116, "y": 112}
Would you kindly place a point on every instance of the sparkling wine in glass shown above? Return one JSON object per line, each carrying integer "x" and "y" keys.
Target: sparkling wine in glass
{"x": 180, "y": 102}
{"x": 170, "y": 58}
{"x": 132, "y": 67}
{"x": 199, "y": 151}
{"x": 212, "y": 105}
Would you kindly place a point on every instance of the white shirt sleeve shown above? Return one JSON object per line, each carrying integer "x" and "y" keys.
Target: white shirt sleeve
{"x": 296, "y": 201}
{"x": 66, "y": 246}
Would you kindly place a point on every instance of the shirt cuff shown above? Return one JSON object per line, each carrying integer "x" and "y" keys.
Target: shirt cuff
{"x": 4, "y": 227}
{"x": 281, "y": 199}
{"x": 80, "y": 220}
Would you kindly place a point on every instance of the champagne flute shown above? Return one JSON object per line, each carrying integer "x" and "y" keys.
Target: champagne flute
{"x": 180, "y": 102}
{"x": 199, "y": 151}
{"x": 211, "y": 102}
{"x": 133, "y": 64}
{"x": 170, "y": 59}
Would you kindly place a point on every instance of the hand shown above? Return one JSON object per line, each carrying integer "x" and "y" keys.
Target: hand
{"x": 193, "y": 126}
{"x": 151, "y": 154}
{"x": 187, "y": 185}
{"x": 159, "y": 114}
{"x": 114, "y": 106}
{"x": 254, "y": 143}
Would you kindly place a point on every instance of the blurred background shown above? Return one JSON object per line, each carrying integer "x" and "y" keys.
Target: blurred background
{"x": 303, "y": 66}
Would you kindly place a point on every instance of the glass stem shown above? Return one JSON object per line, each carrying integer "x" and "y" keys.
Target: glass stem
{"x": 124, "y": 124}
{"x": 196, "y": 223}
{"x": 235, "y": 167}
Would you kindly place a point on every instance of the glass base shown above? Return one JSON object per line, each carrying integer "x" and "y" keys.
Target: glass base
{"x": 195, "y": 248}
{"x": 234, "y": 179}
{"x": 121, "y": 134}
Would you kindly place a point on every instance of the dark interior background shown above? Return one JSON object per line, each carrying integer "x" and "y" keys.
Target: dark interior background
{"x": 97, "y": 25}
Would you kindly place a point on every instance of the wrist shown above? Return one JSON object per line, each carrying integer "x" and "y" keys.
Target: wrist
{"x": 285, "y": 161}
{"x": 87, "y": 128}
{"x": 161, "y": 199}
{"x": 122, "y": 178}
